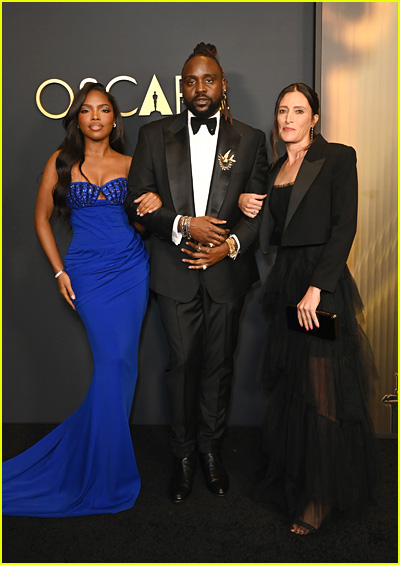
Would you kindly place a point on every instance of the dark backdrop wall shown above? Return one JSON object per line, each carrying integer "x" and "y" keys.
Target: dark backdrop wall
{"x": 262, "y": 47}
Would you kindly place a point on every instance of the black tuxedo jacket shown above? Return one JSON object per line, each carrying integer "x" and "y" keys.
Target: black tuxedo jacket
{"x": 322, "y": 208}
{"x": 161, "y": 164}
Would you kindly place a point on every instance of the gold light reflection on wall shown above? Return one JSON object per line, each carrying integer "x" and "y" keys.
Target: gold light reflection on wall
{"x": 359, "y": 108}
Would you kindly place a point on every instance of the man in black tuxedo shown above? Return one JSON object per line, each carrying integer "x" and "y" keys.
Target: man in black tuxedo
{"x": 202, "y": 264}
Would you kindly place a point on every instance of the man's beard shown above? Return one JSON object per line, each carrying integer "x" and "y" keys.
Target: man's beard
{"x": 206, "y": 113}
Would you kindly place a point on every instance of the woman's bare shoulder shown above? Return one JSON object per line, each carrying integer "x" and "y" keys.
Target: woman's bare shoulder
{"x": 125, "y": 161}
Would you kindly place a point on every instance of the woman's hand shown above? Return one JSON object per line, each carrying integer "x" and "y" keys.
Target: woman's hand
{"x": 65, "y": 288}
{"x": 148, "y": 202}
{"x": 251, "y": 203}
{"x": 204, "y": 256}
{"x": 307, "y": 306}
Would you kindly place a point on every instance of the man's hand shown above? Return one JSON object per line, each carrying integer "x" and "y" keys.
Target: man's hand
{"x": 206, "y": 230}
{"x": 204, "y": 256}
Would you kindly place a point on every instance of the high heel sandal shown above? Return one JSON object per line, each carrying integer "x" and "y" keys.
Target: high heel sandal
{"x": 309, "y": 527}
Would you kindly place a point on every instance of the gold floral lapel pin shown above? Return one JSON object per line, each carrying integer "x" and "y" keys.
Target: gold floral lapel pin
{"x": 226, "y": 162}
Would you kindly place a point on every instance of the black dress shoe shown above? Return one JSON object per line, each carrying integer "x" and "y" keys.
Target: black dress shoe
{"x": 182, "y": 480}
{"x": 217, "y": 480}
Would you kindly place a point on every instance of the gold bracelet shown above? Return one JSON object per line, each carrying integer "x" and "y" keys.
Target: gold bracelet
{"x": 232, "y": 244}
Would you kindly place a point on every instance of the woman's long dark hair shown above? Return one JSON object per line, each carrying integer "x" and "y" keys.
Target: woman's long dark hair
{"x": 312, "y": 98}
{"x": 73, "y": 145}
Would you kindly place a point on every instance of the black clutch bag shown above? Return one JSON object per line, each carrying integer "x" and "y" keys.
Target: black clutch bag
{"x": 328, "y": 323}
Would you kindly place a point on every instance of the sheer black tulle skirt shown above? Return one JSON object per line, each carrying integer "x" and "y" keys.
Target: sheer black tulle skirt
{"x": 319, "y": 447}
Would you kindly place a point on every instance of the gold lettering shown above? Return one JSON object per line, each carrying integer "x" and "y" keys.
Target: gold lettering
{"x": 39, "y": 93}
{"x": 155, "y": 100}
{"x": 85, "y": 80}
{"x": 117, "y": 79}
{"x": 178, "y": 93}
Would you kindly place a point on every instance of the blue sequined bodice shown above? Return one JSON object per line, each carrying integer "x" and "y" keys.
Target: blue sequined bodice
{"x": 82, "y": 193}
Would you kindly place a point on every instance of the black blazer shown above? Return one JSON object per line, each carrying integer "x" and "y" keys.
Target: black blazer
{"x": 322, "y": 208}
{"x": 161, "y": 164}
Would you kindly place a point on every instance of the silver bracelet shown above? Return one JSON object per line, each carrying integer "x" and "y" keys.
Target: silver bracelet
{"x": 59, "y": 273}
{"x": 182, "y": 230}
{"x": 185, "y": 226}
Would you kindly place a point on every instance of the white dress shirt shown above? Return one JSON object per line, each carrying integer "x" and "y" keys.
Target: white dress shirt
{"x": 203, "y": 147}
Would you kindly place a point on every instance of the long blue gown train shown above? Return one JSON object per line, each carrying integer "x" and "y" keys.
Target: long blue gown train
{"x": 86, "y": 465}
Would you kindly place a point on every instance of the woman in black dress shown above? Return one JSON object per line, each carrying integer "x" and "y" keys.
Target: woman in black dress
{"x": 318, "y": 436}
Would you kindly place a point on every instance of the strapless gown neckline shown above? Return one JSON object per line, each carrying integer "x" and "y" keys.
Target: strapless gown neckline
{"x": 99, "y": 185}
{"x": 84, "y": 193}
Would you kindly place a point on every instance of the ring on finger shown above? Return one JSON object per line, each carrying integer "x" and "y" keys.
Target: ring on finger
{"x": 199, "y": 248}
{"x": 211, "y": 244}
{"x": 204, "y": 267}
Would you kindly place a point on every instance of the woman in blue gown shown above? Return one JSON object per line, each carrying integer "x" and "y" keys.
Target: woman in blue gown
{"x": 86, "y": 465}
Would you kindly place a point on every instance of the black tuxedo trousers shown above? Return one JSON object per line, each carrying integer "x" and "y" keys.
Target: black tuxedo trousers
{"x": 200, "y": 309}
{"x": 202, "y": 336}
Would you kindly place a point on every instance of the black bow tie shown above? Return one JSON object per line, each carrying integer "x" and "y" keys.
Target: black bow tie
{"x": 211, "y": 124}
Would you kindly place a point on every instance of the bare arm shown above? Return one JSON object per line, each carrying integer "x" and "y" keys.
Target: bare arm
{"x": 43, "y": 212}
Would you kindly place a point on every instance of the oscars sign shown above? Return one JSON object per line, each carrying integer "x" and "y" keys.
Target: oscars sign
{"x": 155, "y": 99}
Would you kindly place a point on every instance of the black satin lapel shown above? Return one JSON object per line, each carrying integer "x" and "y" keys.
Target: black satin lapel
{"x": 305, "y": 177}
{"x": 228, "y": 139}
{"x": 177, "y": 154}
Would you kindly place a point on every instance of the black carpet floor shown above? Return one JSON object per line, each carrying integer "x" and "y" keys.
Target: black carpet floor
{"x": 204, "y": 528}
